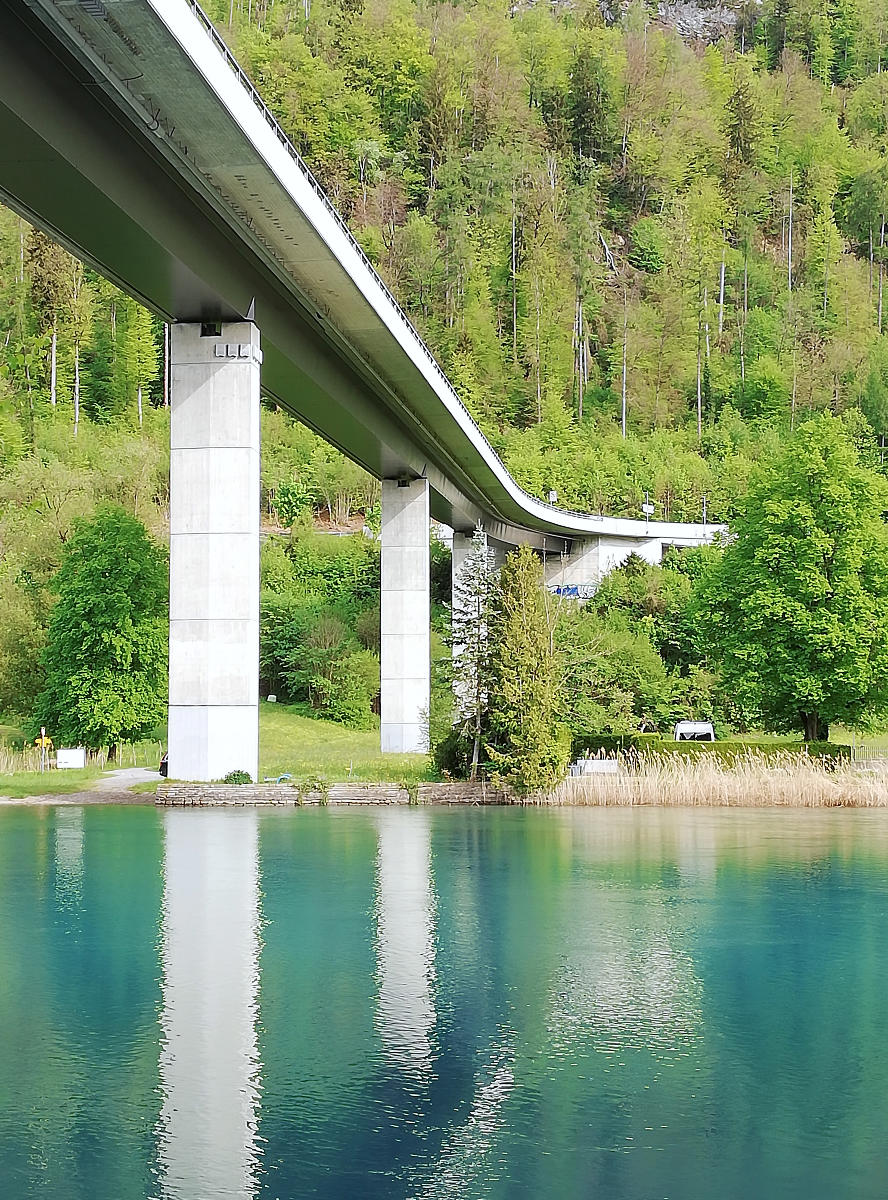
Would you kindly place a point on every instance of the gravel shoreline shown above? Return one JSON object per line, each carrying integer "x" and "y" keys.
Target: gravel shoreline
{"x": 106, "y": 797}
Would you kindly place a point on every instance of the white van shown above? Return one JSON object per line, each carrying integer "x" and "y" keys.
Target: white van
{"x": 694, "y": 731}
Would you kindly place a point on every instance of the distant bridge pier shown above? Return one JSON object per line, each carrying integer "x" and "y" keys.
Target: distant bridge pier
{"x": 214, "y": 550}
{"x": 580, "y": 572}
{"x": 405, "y": 651}
{"x": 462, "y": 548}
{"x": 460, "y": 551}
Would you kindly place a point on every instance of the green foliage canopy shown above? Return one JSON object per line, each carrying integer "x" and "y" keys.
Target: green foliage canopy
{"x": 798, "y": 605}
{"x": 105, "y": 660}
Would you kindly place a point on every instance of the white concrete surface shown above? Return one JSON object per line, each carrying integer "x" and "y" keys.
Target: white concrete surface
{"x": 460, "y": 551}
{"x": 404, "y": 608}
{"x": 214, "y": 552}
{"x": 589, "y": 561}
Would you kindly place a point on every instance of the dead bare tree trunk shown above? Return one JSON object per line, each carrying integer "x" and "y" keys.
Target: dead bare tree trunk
{"x": 53, "y": 360}
{"x": 76, "y": 387}
{"x": 625, "y": 341}
{"x": 699, "y": 385}
{"x": 514, "y": 283}
{"x": 826, "y": 270}
{"x": 789, "y": 250}
{"x": 881, "y": 268}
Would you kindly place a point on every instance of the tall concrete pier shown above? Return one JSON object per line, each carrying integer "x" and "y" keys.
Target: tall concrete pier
{"x": 214, "y": 551}
{"x": 404, "y": 608}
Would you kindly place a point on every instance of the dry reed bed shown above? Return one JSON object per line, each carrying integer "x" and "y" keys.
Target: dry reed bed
{"x": 12, "y": 761}
{"x": 751, "y": 781}
{"x": 143, "y": 754}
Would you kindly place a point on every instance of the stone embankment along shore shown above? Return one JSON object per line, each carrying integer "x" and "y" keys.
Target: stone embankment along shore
{"x": 792, "y": 782}
{"x": 221, "y": 795}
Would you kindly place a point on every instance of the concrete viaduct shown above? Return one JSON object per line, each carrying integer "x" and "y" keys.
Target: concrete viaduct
{"x": 129, "y": 133}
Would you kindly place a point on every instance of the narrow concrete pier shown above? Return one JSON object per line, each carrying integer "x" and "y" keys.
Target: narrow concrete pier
{"x": 214, "y": 551}
{"x": 404, "y": 614}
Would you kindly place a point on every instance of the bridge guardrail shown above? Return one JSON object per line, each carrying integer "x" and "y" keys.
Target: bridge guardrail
{"x": 274, "y": 125}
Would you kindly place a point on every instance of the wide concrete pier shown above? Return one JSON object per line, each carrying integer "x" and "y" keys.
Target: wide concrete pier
{"x": 214, "y": 551}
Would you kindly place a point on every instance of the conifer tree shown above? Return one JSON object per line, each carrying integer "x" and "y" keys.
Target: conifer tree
{"x": 527, "y": 744}
{"x": 473, "y": 591}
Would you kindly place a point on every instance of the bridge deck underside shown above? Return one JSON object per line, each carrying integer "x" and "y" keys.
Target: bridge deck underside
{"x": 158, "y": 166}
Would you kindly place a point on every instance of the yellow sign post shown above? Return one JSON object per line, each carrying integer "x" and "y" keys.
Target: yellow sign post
{"x": 45, "y": 744}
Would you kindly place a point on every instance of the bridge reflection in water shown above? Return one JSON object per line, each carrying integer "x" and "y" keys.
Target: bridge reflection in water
{"x": 602, "y": 986}
{"x": 209, "y": 1065}
{"x": 453, "y": 1003}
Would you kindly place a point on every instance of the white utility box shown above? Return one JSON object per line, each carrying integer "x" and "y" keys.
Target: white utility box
{"x": 68, "y": 757}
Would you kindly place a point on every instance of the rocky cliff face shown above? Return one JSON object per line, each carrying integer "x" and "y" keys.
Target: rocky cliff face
{"x": 694, "y": 20}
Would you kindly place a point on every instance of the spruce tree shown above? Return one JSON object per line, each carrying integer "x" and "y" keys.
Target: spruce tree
{"x": 473, "y": 591}
{"x": 527, "y": 744}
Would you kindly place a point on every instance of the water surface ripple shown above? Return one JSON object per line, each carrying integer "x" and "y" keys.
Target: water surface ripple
{"x": 443, "y": 1005}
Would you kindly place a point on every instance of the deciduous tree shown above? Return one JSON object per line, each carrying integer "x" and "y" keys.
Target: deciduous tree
{"x": 799, "y": 603}
{"x": 106, "y": 653}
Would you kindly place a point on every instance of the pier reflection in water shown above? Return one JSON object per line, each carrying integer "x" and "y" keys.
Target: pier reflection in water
{"x": 405, "y": 939}
{"x": 209, "y": 1067}
{"x": 69, "y": 855}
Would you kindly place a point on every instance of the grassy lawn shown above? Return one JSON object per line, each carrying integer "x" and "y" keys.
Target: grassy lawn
{"x": 144, "y": 789}
{"x": 289, "y": 742}
{"x": 47, "y": 783}
{"x": 302, "y": 746}
{"x": 876, "y": 741}
{"x": 842, "y": 737}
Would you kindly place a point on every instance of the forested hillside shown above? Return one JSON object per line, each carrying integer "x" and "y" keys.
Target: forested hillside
{"x": 645, "y": 242}
{"x": 600, "y": 228}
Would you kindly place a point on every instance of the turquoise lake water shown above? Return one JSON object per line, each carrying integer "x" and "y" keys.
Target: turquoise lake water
{"x": 620, "y": 1005}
